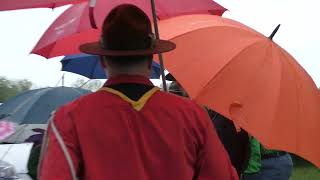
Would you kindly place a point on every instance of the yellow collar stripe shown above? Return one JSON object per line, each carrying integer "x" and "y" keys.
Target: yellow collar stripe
{"x": 137, "y": 105}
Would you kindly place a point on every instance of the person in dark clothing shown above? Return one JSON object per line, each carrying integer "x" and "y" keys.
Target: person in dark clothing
{"x": 35, "y": 152}
{"x": 235, "y": 141}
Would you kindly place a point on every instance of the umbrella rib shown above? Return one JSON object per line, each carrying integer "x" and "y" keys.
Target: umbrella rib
{"x": 88, "y": 15}
{"x": 297, "y": 88}
{"x": 216, "y": 27}
{"x": 39, "y": 97}
{"x": 53, "y": 44}
{"x": 276, "y": 104}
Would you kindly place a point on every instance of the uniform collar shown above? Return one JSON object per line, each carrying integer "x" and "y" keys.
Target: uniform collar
{"x": 121, "y": 79}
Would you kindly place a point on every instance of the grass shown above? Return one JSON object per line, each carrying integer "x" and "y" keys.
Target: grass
{"x": 303, "y": 170}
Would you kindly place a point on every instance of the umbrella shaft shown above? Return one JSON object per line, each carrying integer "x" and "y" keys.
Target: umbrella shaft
{"x": 156, "y": 30}
{"x": 155, "y": 21}
{"x": 91, "y": 18}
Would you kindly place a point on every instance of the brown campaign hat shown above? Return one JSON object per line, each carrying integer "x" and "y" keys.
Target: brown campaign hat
{"x": 127, "y": 31}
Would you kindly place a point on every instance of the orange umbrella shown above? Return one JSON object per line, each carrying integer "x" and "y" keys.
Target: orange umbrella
{"x": 247, "y": 77}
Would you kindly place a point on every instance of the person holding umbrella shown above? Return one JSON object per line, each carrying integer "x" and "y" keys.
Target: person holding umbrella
{"x": 235, "y": 140}
{"x": 251, "y": 159}
{"x": 129, "y": 129}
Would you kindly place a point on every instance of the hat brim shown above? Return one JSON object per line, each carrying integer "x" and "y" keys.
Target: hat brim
{"x": 95, "y": 48}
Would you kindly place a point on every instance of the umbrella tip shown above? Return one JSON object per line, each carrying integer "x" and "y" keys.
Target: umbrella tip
{"x": 274, "y": 32}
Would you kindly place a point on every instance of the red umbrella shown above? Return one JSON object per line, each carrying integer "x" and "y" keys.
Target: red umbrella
{"x": 75, "y": 25}
{"x": 89, "y": 15}
{"x": 25, "y": 4}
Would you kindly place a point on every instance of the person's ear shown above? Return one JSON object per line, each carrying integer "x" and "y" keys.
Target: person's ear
{"x": 103, "y": 62}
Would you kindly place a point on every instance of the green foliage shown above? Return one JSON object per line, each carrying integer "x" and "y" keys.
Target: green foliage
{"x": 307, "y": 172}
{"x": 10, "y": 88}
{"x": 303, "y": 170}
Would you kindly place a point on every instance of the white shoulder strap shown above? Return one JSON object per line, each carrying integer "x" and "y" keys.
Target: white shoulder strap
{"x": 62, "y": 145}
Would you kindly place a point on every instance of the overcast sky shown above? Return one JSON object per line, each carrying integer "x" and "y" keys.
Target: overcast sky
{"x": 299, "y": 35}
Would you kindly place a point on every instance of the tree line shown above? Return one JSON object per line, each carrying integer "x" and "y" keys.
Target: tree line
{"x": 10, "y": 88}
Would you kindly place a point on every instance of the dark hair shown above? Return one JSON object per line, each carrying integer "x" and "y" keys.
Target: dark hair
{"x": 127, "y": 60}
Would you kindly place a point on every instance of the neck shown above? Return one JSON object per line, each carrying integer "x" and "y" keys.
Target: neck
{"x": 118, "y": 73}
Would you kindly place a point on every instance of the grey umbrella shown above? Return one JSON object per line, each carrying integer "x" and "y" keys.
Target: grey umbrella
{"x": 35, "y": 106}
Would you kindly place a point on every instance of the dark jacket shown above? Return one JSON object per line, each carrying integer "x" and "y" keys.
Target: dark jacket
{"x": 236, "y": 143}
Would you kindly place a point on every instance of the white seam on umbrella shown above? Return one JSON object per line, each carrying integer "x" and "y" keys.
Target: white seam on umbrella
{"x": 28, "y": 100}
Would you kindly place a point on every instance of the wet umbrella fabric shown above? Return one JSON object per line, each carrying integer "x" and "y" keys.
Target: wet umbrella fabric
{"x": 77, "y": 24}
{"x": 248, "y": 78}
{"x": 90, "y": 66}
{"x": 35, "y": 106}
{"x": 6, "y": 5}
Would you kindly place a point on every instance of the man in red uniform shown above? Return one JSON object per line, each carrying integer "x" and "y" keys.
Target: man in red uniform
{"x": 129, "y": 130}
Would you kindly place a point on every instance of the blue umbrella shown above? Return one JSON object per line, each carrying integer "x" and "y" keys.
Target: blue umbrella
{"x": 35, "y": 106}
{"x": 90, "y": 67}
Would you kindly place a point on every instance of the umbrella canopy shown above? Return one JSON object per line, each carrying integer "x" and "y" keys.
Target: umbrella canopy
{"x": 75, "y": 25}
{"x": 248, "y": 78}
{"x": 35, "y": 106}
{"x": 18, "y": 4}
{"x": 90, "y": 67}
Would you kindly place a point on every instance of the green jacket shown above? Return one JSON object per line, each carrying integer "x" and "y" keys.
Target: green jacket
{"x": 257, "y": 150}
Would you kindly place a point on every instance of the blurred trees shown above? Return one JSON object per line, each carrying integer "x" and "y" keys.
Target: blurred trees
{"x": 10, "y": 88}
{"x": 92, "y": 84}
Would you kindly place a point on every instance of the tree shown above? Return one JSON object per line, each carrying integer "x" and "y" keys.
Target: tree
{"x": 10, "y": 88}
{"x": 6, "y": 91}
{"x": 91, "y": 85}
{"x": 23, "y": 85}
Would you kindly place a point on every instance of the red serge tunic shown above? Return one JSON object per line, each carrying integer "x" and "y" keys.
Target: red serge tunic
{"x": 158, "y": 137}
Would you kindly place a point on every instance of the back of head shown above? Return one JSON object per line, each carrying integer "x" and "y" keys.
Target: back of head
{"x": 126, "y": 28}
{"x": 132, "y": 26}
